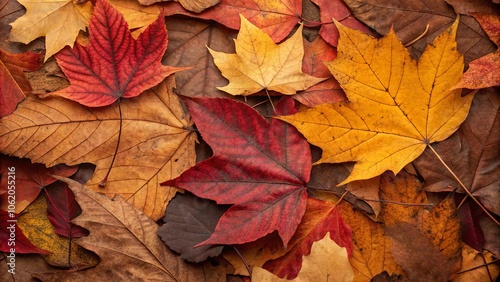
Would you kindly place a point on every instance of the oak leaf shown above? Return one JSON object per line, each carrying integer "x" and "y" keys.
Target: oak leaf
{"x": 397, "y": 106}
{"x": 260, "y": 168}
{"x": 259, "y": 63}
{"x": 12, "y": 80}
{"x": 326, "y": 262}
{"x": 156, "y": 142}
{"x": 485, "y": 71}
{"x": 124, "y": 239}
{"x": 114, "y": 64}
{"x": 59, "y": 21}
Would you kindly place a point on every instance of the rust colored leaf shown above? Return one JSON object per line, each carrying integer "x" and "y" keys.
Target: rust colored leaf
{"x": 156, "y": 142}
{"x": 13, "y": 83}
{"x": 480, "y": 6}
{"x": 328, "y": 91}
{"x": 320, "y": 218}
{"x": 485, "y": 71}
{"x": 196, "y": 6}
{"x": 186, "y": 47}
{"x": 29, "y": 179}
{"x": 275, "y": 17}
{"x": 113, "y": 65}
{"x": 473, "y": 265}
{"x": 124, "y": 239}
{"x": 189, "y": 221}
{"x": 61, "y": 209}
{"x": 259, "y": 167}
{"x": 339, "y": 11}
{"x": 410, "y": 18}
{"x": 471, "y": 153}
{"x": 12, "y": 237}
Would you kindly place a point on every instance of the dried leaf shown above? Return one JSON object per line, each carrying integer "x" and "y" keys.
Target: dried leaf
{"x": 327, "y": 262}
{"x": 156, "y": 142}
{"x": 113, "y": 65}
{"x": 13, "y": 240}
{"x": 260, "y": 168}
{"x": 189, "y": 221}
{"x": 196, "y": 6}
{"x": 473, "y": 259}
{"x": 396, "y": 106}
{"x": 485, "y": 71}
{"x": 259, "y": 63}
{"x": 59, "y": 21}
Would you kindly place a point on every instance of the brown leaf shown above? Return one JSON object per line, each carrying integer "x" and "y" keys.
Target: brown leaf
{"x": 409, "y": 19}
{"x": 187, "y": 39}
{"x": 417, "y": 255}
{"x": 477, "y": 6}
{"x": 156, "y": 143}
{"x": 471, "y": 153}
{"x": 196, "y": 6}
{"x": 473, "y": 265}
{"x": 126, "y": 241}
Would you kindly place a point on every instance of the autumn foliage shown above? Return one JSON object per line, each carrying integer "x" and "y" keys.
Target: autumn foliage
{"x": 284, "y": 140}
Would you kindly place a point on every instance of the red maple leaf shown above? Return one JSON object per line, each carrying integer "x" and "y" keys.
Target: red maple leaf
{"x": 259, "y": 167}
{"x": 114, "y": 64}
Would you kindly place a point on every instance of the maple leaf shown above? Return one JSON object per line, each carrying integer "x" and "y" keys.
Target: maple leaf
{"x": 327, "y": 261}
{"x": 59, "y": 21}
{"x": 410, "y": 18}
{"x": 275, "y": 17}
{"x": 156, "y": 142}
{"x": 397, "y": 106}
{"x": 113, "y": 65}
{"x": 485, "y": 71}
{"x": 259, "y": 63}
{"x": 260, "y": 168}
{"x": 137, "y": 16}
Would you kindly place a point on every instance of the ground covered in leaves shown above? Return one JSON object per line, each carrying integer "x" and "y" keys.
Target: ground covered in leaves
{"x": 218, "y": 140}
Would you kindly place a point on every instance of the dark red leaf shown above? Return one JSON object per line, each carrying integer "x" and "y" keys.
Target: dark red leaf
{"x": 61, "y": 209}
{"x": 259, "y": 167}
{"x": 114, "y": 64}
{"x": 190, "y": 220}
{"x": 14, "y": 242}
{"x": 29, "y": 179}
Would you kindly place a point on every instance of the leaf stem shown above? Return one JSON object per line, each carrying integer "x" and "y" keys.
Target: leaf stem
{"x": 418, "y": 37}
{"x": 270, "y": 101}
{"x": 105, "y": 179}
{"x": 462, "y": 185}
{"x": 243, "y": 260}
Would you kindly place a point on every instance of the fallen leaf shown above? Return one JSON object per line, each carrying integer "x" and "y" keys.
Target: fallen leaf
{"x": 367, "y": 190}
{"x": 63, "y": 251}
{"x": 471, "y": 153}
{"x": 137, "y": 16}
{"x": 491, "y": 232}
{"x": 196, "y": 6}
{"x": 326, "y": 262}
{"x": 156, "y": 142}
{"x": 189, "y": 221}
{"x": 259, "y": 63}
{"x": 59, "y": 21}
{"x": 113, "y": 65}
{"x": 468, "y": 7}
{"x": 29, "y": 179}
{"x": 473, "y": 264}
{"x": 372, "y": 248}
{"x": 25, "y": 266}
{"x": 339, "y": 11}
{"x": 485, "y": 71}
{"x": 186, "y": 47}
{"x": 410, "y": 18}
{"x": 124, "y": 239}
{"x": 260, "y": 168}
{"x": 12, "y": 238}
{"x": 61, "y": 209}
{"x": 13, "y": 82}
{"x": 397, "y": 106}
{"x": 275, "y": 17}
{"x": 328, "y": 91}
{"x": 472, "y": 234}
{"x": 417, "y": 255}
{"x": 320, "y": 218}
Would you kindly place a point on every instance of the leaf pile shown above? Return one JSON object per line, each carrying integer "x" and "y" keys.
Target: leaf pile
{"x": 283, "y": 140}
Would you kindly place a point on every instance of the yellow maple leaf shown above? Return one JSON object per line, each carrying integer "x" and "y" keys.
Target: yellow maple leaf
{"x": 326, "y": 262}
{"x": 259, "y": 63}
{"x": 59, "y": 21}
{"x": 397, "y": 106}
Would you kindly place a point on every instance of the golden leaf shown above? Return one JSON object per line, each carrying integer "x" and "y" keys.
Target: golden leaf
{"x": 397, "y": 106}
{"x": 259, "y": 63}
{"x": 59, "y": 21}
